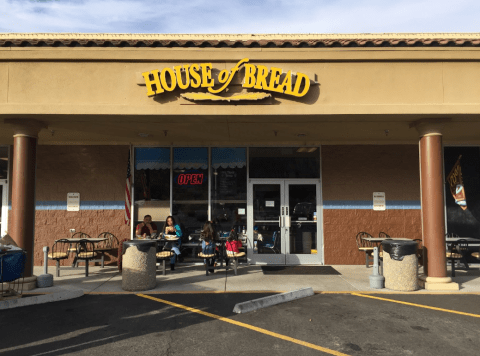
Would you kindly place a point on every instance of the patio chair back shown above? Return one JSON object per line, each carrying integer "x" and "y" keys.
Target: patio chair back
{"x": 451, "y": 234}
{"x": 80, "y": 235}
{"x": 383, "y": 234}
{"x": 77, "y": 235}
{"x": 111, "y": 242}
{"x": 363, "y": 243}
{"x": 86, "y": 251}
{"x": 460, "y": 246}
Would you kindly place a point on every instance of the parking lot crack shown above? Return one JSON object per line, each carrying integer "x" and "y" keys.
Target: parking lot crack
{"x": 108, "y": 280}
{"x": 170, "y": 341}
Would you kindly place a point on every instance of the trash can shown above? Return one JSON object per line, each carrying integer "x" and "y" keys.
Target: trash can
{"x": 400, "y": 265}
{"x": 139, "y": 265}
{"x": 307, "y": 242}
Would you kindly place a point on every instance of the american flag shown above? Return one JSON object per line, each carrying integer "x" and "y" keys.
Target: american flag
{"x": 128, "y": 197}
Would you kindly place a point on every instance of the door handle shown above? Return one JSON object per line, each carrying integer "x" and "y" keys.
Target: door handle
{"x": 288, "y": 221}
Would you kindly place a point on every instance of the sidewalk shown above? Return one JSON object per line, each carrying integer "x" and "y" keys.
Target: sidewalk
{"x": 192, "y": 278}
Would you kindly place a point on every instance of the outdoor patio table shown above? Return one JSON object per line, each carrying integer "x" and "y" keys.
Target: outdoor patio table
{"x": 380, "y": 239}
{"x": 77, "y": 240}
{"x": 470, "y": 240}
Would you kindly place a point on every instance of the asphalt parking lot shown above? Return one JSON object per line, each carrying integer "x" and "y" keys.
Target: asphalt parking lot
{"x": 204, "y": 324}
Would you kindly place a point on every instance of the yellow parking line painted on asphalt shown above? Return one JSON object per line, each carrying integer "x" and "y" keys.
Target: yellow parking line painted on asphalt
{"x": 416, "y": 305}
{"x": 247, "y": 326}
{"x": 393, "y": 292}
{"x": 194, "y": 292}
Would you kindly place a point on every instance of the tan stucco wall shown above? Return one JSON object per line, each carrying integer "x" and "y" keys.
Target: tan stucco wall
{"x": 107, "y": 85}
{"x": 91, "y": 96}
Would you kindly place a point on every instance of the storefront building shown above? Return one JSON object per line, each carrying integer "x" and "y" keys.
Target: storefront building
{"x": 284, "y": 136}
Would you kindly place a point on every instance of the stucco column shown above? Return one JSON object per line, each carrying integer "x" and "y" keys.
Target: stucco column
{"x": 433, "y": 213}
{"x": 22, "y": 228}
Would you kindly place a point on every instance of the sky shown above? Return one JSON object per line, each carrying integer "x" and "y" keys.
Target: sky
{"x": 236, "y": 16}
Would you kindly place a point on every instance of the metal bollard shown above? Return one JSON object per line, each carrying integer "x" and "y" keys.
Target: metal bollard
{"x": 45, "y": 279}
{"x": 45, "y": 260}
{"x": 377, "y": 281}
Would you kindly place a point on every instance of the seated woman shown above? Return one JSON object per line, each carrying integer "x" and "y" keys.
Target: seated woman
{"x": 233, "y": 244}
{"x": 208, "y": 244}
{"x": 171, "y": 228}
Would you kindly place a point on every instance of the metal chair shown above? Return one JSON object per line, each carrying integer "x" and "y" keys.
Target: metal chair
{"x": 235, "y": 256}
{"x": 383, "y": 234}
{"x": 60, "y": 251}
{"x": 457, "y": 251}
{"x": 274, "y": 245}
{"x": 73, "y": 245}
{"x": 86, "y": 252}
{"x": 209, "y": 257}
{"x": 476, "y": 254}
{"x": 109, "y": 245}
{"x": 164, "y": 256}
{"x": 419, "y": 251}
{"x": 365, "y": 246}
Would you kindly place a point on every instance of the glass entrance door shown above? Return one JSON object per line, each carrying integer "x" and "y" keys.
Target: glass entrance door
{"x": 282, "y": 221}
{"x": 302, "y": 230}
{"x": 266, "y": 199}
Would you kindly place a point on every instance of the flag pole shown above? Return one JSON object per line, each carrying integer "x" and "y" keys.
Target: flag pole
{"x": 132, "y": 171}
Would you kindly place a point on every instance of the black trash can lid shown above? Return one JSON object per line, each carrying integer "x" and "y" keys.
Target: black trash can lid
{"x": 399, "y": 248}
{"x": 142, "y": 245}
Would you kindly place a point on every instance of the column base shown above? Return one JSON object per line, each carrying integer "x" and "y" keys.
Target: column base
{"x": 437, "y": 283}
{"x": 29, "y": 283}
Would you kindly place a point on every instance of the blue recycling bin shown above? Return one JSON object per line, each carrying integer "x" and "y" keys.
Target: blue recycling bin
{"x": 12, "y": 265}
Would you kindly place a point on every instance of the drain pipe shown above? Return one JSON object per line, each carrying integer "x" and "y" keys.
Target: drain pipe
{"x": 377, "y": 281}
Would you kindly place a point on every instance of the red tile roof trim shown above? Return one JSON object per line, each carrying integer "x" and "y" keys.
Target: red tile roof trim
{"x": 381, "y": 42}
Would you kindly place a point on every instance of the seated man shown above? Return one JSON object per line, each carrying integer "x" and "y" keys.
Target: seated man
{"x": 147, "y": 227}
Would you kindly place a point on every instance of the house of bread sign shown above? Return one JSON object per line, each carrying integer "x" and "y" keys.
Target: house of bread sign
{"x": 195, "y": 76}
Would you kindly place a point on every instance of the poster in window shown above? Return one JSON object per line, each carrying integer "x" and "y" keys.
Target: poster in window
{"x": 227, "y": 184}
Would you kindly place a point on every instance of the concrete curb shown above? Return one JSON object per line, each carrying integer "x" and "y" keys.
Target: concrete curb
{"x": 40, "y": 299}
{"x": 264, "y": 302}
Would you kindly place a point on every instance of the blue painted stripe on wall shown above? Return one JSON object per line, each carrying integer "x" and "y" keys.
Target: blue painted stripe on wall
{"x": 368, "y": 204}
{"x": 84, "y": 205}
{"x": 327, "y": 204}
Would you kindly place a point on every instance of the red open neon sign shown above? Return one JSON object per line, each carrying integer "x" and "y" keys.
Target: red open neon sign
{"x": 190, "y": 179}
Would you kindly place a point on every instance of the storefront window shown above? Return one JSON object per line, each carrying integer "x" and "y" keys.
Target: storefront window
{"x": 229, "y": 188}
{"x": 190, "y": 188}
{"x": 284, "y": 162}
{"x": 462, "y": 222}
{"x": 3, "y": 162}
{"x": 152, "y": 184}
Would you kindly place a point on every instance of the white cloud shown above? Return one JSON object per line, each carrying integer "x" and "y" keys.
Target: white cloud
{"x": 247, "y": 16}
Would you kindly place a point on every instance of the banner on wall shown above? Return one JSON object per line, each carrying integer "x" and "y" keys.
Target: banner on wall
{"x": 457, "y": 189}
